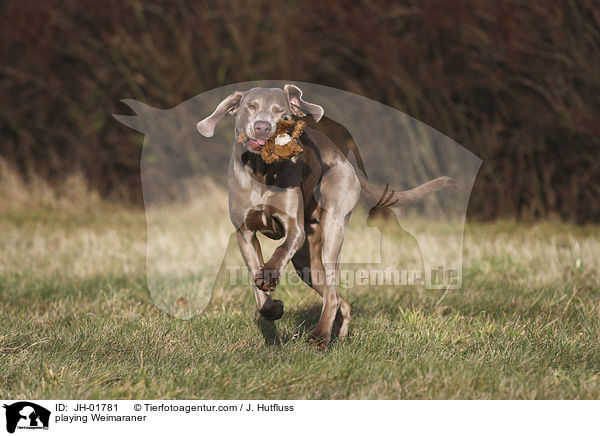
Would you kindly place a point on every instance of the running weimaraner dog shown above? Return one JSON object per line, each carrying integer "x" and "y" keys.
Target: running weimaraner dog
{"x": 306, "y": 200}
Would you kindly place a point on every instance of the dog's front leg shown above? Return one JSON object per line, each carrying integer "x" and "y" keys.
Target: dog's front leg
{"x": 251, "y": 252}
{"x": 268, "y": 276}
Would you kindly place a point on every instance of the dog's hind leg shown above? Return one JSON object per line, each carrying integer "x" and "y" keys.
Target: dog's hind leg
{"x": 332, "y": 236}
{"x": 345, "y": 310}
{"x": 336, "y": 210}
{"x": 309, "y": 266}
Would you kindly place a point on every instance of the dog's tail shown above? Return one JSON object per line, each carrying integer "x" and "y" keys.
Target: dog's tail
{"x": 382, "y": 199}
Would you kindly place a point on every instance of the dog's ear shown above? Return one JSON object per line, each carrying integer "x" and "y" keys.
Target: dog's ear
{"x": 229, "y": 106}
{"x": 300, "y": 107}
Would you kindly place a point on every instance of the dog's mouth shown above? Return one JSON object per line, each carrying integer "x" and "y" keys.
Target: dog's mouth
{"x": 255, "y": 144}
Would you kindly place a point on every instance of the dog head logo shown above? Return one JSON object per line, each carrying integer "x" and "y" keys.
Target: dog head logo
{"x": 26, "y": 415}
{"x": 192, "y": 249}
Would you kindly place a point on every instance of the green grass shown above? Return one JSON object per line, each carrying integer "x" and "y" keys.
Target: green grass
{"x": 77, "y": 321}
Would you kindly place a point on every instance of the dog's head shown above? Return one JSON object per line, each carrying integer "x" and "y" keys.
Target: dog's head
{"x": 257, "y": 112}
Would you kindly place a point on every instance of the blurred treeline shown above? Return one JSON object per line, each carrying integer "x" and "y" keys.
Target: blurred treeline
{"x": 517, "y": 82}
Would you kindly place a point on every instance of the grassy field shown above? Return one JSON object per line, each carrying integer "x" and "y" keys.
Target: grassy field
{"x": 77, "y": 321}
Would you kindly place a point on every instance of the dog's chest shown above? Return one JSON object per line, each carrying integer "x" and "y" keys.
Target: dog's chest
{"x": 249, "y": 192}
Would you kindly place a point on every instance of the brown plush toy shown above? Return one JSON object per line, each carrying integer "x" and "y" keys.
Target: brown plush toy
{"x": 282, "y": 145}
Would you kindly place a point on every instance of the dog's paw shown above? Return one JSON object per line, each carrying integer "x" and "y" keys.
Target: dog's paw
{"x": 267, "y": 279}
{"x": 318, "y": 339}
{"x": 272, "y": 310}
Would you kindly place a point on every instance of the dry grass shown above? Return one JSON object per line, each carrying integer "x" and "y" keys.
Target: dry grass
{"x": 19, "y": 193}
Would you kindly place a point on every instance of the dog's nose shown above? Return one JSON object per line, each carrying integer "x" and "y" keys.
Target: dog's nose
{"x": 262, "y": 128}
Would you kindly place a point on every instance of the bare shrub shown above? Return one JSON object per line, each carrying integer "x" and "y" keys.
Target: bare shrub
{"x": 514, "y": 81}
